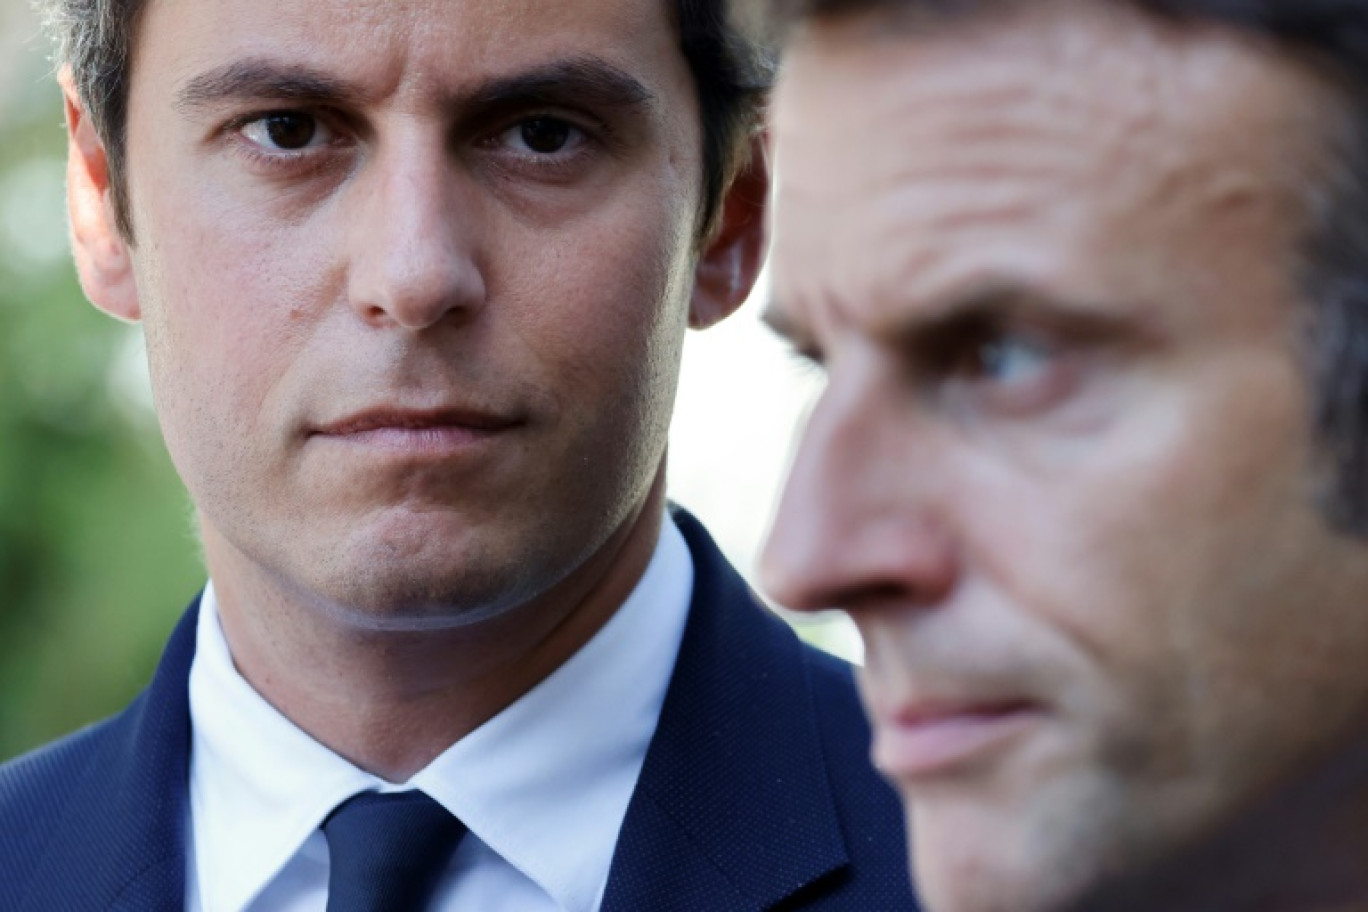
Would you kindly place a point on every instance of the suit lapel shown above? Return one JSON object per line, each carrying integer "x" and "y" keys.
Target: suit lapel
{"x": 120, "y": 844}
{"x": 733, "y": 809}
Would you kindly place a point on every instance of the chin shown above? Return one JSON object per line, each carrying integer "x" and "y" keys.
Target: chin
{"x": 437, "y": 582}
{"x": 975, "y": 887}
{"x": 1044, "y": 863}
{"x": 971, "y": 883}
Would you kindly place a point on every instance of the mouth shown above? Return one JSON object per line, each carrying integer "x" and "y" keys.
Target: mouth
{"x": 924, "y": 741}
{"x": 438, "y": 431}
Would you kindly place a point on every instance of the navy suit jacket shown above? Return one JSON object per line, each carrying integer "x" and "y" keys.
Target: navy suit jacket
{"x": 756, "y": 793}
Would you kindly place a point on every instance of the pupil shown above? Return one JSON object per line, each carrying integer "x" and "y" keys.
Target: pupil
{"x": 290, "y": 131}
{"x": 545, "y": 134}
{"x": 993, "y": 357}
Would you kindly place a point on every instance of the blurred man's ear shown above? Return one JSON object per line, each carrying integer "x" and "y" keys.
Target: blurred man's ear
{"x": 735, "y": 251}
{"x": 101, "y": 251}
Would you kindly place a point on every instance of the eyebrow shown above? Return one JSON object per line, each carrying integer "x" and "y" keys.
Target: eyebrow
{"x": 995, "y": 302}
{"x": 586, "y": 80}
{"x": 589, "y": 80}
{"x": 258, "y": 78}
{"x": 985, "y": 304}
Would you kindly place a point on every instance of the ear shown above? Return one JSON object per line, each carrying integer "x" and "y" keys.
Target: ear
{"x": 102, "y": 253}
{"x": 735, "y": 250}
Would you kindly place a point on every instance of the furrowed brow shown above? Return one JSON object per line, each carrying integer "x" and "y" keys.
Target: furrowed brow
{"x": 584, "y": 80}
{"x": 972, "y": 307}
{"x": 938, "y": 325}
{"x": 261, "y": 79}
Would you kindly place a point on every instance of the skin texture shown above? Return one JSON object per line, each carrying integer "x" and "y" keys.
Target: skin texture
{"x": 1061, "y": 471}
{"x": 406, "y": 249}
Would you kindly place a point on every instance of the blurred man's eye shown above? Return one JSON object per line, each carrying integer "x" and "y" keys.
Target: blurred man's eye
{"x": 286, "y": 131}
{"x": 1006, "y": 370}
{"x": 1008, "y": 359}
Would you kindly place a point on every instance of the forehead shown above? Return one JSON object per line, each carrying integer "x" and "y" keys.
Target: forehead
{"x": 385, "y": 44}
{"x": 1049, "y": 146}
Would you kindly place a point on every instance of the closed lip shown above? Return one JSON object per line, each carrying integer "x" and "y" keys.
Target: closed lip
{"x": 399, "y": 419}
{"x": 926, "y": 739}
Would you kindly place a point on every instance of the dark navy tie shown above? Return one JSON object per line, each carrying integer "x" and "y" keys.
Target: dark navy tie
{"x": 387, "y": 852}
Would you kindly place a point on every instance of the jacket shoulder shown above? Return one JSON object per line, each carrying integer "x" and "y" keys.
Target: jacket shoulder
{"x": 35, "y": 789}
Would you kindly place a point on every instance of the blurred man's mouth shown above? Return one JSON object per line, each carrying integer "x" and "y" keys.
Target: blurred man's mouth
{"x": 921, "y": 740}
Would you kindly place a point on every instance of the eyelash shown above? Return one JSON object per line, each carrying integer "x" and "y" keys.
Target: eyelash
{"x": 283, "y": 159}
{"x": 955, "y": 361}
{"x": 966, "y": 375}
{"x": 592, "y": 131}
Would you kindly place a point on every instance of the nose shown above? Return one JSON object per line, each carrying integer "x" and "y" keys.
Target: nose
{"x": 414, "y": 238}
{"x": 861, "y": 521}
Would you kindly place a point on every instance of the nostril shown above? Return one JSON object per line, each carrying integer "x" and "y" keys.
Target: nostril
{"x": 869, "y": 595}
{"x": 414, "y": 298}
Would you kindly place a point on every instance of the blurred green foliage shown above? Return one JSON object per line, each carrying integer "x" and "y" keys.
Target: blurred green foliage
{"x": 97, "y": 555}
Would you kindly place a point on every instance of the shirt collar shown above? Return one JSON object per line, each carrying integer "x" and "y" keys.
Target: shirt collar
{"x": 545, "y": 783}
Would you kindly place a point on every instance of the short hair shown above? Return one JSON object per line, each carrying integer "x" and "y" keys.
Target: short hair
{"x": 1333, "y": 34}
{"x": 732, "y": 71}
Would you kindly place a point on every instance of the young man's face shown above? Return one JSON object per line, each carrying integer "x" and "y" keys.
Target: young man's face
{"x": 1061, "y": 474}
{"x": 414, "y": 276}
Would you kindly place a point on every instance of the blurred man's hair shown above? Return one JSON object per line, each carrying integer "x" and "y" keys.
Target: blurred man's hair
{"x": 731, "y": 73}
{"x": 1331, "y": 35}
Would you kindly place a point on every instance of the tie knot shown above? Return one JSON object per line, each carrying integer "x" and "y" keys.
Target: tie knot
{"x": 387, "y": 851}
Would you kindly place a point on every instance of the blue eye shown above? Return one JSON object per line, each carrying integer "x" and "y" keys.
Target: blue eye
{"x": 1007, "y": 370}
{"x": 1011, "y": 359}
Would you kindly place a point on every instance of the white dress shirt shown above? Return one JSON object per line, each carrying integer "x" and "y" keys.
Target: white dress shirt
{"x": 543, "y": 786}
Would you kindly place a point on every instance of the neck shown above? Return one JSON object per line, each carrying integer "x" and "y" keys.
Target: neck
{"x": 392, "y": 701}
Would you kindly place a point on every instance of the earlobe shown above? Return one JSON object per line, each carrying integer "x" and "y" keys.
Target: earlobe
{"x": 100, "y": 249}
{"x": 731, "y": 261}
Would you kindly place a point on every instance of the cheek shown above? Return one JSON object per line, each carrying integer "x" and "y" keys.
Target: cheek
{"x": 228, "y": 305}
{"x": 605, "y": 302}
{"x": 1133, "y": 547}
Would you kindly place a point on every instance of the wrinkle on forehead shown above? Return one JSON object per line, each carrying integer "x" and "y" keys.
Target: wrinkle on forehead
{"x": 1063, "y": 118}
{"x": 420, "y": 47}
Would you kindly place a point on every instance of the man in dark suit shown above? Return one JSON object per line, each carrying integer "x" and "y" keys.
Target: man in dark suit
{"x": 1089, "y": 469}
{"x": 414, "y": 278}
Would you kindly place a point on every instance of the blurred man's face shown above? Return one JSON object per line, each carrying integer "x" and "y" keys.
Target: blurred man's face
{"x": 415, "y": 277}
{"x": 1060, "y": 474}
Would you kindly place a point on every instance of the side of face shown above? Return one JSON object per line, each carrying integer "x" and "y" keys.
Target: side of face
{"x": 1060, "y": 474}
{"x": 477, "y": 214}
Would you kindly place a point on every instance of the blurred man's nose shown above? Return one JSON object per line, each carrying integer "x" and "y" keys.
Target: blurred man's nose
{"x": 415, "y": 236}
{"x": 860, "y": 522}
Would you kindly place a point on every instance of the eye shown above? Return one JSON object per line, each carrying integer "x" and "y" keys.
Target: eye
{"x": 1009, "y": 371}
{"x": 1009, "y": 360}
{"x": 542, "y": 135}
{"x": 287, "y": 131}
